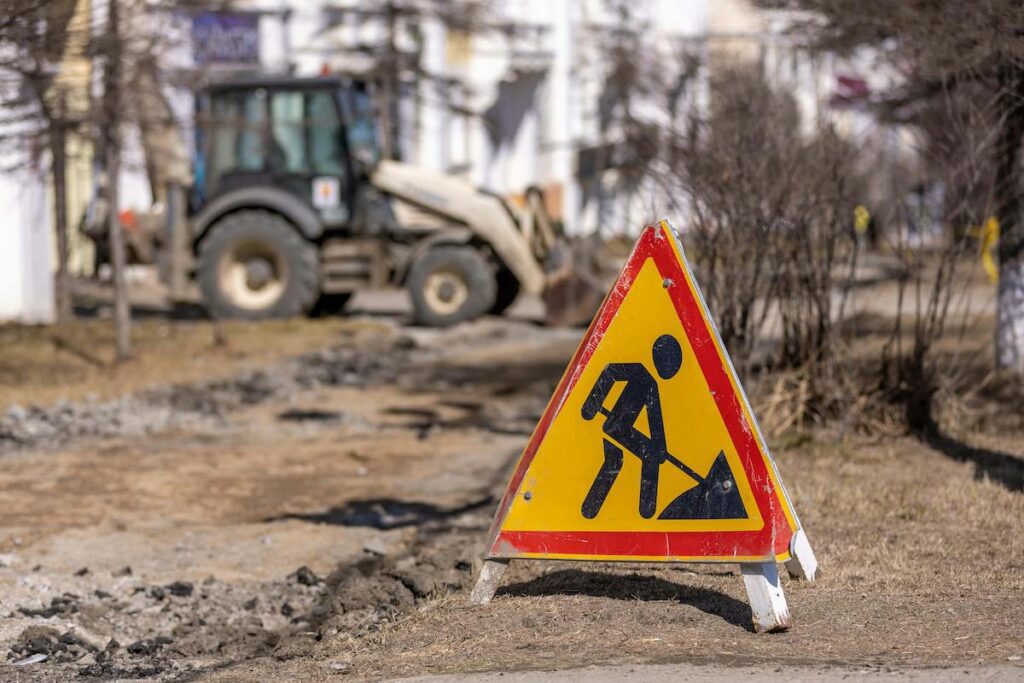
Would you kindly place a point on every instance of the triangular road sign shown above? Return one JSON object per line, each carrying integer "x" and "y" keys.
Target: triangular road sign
{"x": 649, "y": 449}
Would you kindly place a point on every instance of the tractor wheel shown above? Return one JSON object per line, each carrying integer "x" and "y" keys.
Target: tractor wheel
{"x": 508, "y": 290}
{"x": 449, "y": 285}
{"x": 254, "y": 265}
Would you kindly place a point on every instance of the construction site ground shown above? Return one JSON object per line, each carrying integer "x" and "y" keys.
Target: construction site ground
{"x": 310, "y": 499}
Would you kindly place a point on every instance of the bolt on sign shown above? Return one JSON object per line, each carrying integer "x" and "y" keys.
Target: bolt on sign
{"x": 649, "y": 449}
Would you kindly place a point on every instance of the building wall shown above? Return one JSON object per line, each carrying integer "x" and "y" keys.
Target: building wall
{"x": 513, "y": 111}
{"x": 27, "y": 241}
{"x": 26, "y": 247}
{"x": 530, "y": 102}
{"x": 508, "y": 112}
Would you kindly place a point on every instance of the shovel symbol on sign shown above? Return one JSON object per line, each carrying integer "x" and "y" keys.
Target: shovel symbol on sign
{"x": 714, "y": 497}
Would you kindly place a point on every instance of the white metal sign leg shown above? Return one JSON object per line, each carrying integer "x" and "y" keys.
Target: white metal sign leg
{"x": 487, "y": 582}
{"x": 767, "y": 601}
{"x": 803, "y": 565}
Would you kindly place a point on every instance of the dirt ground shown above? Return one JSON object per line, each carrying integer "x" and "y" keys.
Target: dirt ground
{"x": 44, "y": 364}
{"x": 322, "y": 512}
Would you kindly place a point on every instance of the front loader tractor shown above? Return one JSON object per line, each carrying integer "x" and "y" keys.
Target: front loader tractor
{"x": 291, "y": 204}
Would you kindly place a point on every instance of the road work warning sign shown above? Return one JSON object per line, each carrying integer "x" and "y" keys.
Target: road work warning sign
{"x": 648, "y": 449}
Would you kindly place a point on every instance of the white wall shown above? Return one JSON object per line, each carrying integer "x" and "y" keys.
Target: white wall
{"x": 26, "y": 253}
{"x": 26, "y": 279}
{"x": 536, "y": 95}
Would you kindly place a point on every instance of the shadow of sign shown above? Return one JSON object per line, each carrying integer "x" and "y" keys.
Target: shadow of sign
{"x": 634, "y": 587}
{"x": 385, "y": 513}
{"x": 1002, "y": 468}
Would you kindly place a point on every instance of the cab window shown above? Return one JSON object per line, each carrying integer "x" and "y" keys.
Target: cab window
{"x": 362, "y": 132}
{"x": 306, "y": 133}
{"x": 236, "y": 126}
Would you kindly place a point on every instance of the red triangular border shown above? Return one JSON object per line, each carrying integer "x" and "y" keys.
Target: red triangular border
{"x": 770, "y": 542}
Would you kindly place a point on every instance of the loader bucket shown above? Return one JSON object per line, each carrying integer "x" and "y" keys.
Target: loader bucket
{"x": 574, "y": 289}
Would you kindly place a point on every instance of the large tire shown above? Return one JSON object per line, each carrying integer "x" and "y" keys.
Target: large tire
{"x": 508, "y": 291}
{"x": 253, "y": 264}
{"x": 449, "y": 285}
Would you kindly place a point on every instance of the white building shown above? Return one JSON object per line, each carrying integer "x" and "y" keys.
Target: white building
{"x": 526, "y": 109}
{"x": 520, "y": 109}
{"x": 26, "y": 246}
{"x": 505, "y": 108}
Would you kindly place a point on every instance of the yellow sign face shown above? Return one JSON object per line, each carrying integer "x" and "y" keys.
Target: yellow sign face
{"x": 572, "y": 452}
{"x": 648, "y": 449}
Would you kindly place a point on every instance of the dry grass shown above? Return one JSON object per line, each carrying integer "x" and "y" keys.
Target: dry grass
{"x": 921, "y": 565}
{"x": 49, "y": 363}
{"x": 969, "y": 396}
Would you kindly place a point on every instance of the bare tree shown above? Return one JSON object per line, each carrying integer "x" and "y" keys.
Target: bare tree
{"x": 939, "y": 47}
{"x": 768, "y": 201}
{"x": 126, "y": 43}
{"x": 130, "y": 53}
{"x": 111, "y": 46}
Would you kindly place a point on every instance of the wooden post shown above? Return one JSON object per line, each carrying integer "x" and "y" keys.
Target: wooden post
{"x": 112, "y": 103}
{"x": 122, "y": 312}
{"x": 58, "y": 159}
{"x": 177, "y": 238}
{"x": 767, "y": 601}
{"x": 803, "y": 565}
{"x": 487, "y": 582}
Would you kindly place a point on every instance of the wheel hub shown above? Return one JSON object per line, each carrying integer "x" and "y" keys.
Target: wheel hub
{"x": 446, "y": 291}
{"x": 253, "y": 275}
{"x": 258, "y": 273}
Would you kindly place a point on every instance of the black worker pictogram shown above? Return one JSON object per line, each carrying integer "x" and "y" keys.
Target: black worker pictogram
{"x": 715, "y": 495}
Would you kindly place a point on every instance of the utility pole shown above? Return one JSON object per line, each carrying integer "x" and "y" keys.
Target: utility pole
{"x": 112, "y": 154}
{"x": 390, "y": 110}
{"x": 58, "y": 158}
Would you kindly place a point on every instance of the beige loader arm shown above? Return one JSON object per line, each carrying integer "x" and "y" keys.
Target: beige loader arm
{"x": 458, "y": 200}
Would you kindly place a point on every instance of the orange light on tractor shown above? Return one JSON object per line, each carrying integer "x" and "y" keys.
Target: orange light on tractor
{"x": 128, "y": 219}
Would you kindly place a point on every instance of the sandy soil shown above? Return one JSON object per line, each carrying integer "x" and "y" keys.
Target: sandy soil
{"x": 333, "y": 526}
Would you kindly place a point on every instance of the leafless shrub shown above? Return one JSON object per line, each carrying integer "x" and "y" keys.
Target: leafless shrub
{"x": 769, "y": 229}
{"x": 932, "y": 300}
{"x": 769, "y": 201}
{"x": 766, "y": 203}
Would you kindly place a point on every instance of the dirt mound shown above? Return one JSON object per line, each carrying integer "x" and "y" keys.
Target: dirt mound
{"x": 133, "y": 630}
{"x": 361, "y": 597}
{"x": 197, "y": 404}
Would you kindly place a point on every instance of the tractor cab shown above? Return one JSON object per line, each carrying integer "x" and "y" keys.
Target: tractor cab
{"x": 313, "y": 138}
